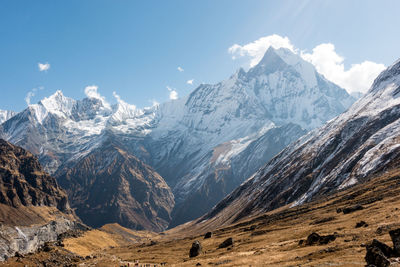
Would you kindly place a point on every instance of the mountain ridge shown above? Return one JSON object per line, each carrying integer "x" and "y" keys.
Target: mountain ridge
{"x": 343, "y": 152}
{"x": 180, "y": 139}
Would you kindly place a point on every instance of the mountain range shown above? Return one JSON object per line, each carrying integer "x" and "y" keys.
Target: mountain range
{"x": 171, "y": 163}
{"x": 356, "y": 146}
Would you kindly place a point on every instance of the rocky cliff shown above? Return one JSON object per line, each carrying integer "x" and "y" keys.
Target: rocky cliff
{"x": 109, "y": 185}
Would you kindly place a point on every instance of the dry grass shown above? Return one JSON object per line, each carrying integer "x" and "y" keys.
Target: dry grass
{"x": 272, "y": 239}
{"x": 267, "y": 240}
{"x": 110, "y": 235}
{"x": 30, "y": 215}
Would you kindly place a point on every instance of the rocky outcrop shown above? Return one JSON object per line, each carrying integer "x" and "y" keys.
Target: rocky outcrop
{"x": 32, "y": 196}
{"x": 26, "y": 239}
{"x": 110, "y": 185}
{"x": 24, "y": 183}
{"x": 381, "y": 255}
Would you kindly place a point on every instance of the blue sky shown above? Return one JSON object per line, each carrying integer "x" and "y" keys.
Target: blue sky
{"x": 135, "y": 47}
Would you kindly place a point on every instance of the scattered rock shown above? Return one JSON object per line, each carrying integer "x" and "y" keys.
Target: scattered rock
{"x": 301, "y": 242}
{"x": 195, "y": 250}
{"x": 382, "y": 229}
{"x": 207, "y": 235}
{"x": 198, "y": 264}
{"x": 395, "y": 236}
{"x": 152, "y": 243}
{"x": 315, "y": 238}
{"x": 375, "y": 256}
{"x": 352, "y": 209}
{"x": 228, "y": 242}
{"x": 361, "y": 224}
{"x": 379, "y": 254}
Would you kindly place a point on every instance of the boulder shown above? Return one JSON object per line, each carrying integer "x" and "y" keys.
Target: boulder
{"x": 195, "y": 250}
{"x": 375, "y": 257}
{"x": 315, "y": 238}
{"x": 228, "y": 242}
{"x": 361, "y": 224}
{"x": 352, "y": 209}
{"x": 207, "y": 235}
{"x": 395, "y": 236}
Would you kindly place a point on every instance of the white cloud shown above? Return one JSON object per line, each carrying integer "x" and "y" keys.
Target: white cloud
{"x": 43, "y": 66}
{"x": 358, "y": 78}
{"x": 28, "y": 97}
{"x": 256, "y": 50}
{"x": 31, "y": 94}
{"x": 173, "y": 94}
{"x": 190, "y": 82}
{"x": 91, "y": 92}
{"x": 180, "y": 69}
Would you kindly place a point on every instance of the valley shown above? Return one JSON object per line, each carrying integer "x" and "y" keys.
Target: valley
{"x": 275, "y": 165}
{"x": 269, "y": 239}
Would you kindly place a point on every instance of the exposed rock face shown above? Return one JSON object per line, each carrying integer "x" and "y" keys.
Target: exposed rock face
{"x": 111, "y": 186}
{"x": 362, "y": 141}
{"x": 25, "y": 239}
{"x": 23, "y": 182}
{"x": 28, "y": 192}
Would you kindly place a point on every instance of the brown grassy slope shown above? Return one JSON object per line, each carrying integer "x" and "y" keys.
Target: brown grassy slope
{"x": 270, "y": 239}
{"x": 110, "y": 235}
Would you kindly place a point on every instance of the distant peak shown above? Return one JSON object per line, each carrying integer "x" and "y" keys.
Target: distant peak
{"x": 58, "y": 93}
{"x": 269, "y": 56}
{"x": 58, "y": 104}
{"x": 391, "y": 74}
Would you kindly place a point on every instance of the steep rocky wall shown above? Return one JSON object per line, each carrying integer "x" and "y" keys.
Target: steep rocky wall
{"x": 30, "y": 238}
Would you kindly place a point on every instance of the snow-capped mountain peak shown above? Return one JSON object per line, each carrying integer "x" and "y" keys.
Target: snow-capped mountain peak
{"x": 123, "y": 111}
{"x": 58, "y": 104}
{"x": 283, "y": 59}
{"x": 5, "y": 115}
{"x": 356, "y": 145}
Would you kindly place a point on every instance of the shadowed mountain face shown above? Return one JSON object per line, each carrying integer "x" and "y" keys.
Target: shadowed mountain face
{"x": 109, "y": 185}
{"x": 361, "y": 142}
{"x": 24, "y": 183}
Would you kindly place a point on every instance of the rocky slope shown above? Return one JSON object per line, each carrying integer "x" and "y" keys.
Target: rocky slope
{"x": 23, "y": 183}
{"x": 203, "y": 145}
{"x": 359, "y": 143}
{"x": 33, "y": 208}
{"x": 110, "y": 185}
